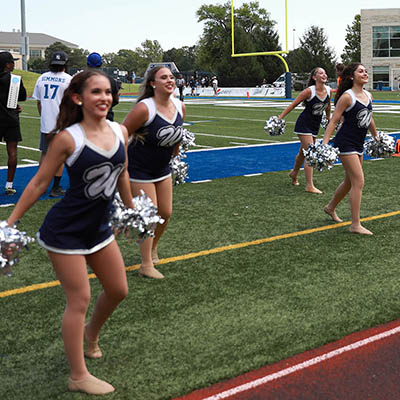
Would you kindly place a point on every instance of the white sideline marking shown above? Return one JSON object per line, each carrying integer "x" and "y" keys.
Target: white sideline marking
{"x": 204, "y": 181}
{"x": 30, "y": 161}
{"x": 303, "y": 365}
{"x": 250, "y": 175}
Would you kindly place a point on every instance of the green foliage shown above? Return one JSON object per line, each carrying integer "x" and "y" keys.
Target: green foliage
{"x": 313, "y": 51}
{"x": 184, "y": 57}
{"x": 254, "y": 32}
{"x": 352, "y": 49}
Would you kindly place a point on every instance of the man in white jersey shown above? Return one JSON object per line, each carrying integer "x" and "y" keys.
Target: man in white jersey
{"x": 48, "y": 92}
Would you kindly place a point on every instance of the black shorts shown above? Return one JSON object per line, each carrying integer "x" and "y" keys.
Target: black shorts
{"x": 10, "y": 134}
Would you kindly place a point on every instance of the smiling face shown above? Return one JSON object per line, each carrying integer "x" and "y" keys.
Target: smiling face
{"x": 320, "y": 75}
{"x": 164, "y": 81}
{"x": 96, "y": 96}
{"x": 360, "y": 75}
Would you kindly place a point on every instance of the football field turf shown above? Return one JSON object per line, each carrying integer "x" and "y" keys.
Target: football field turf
{"x": 255, "y": 272}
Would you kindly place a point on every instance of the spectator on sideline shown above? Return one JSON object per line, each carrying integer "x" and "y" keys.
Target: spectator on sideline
{"x": 10, "y": 130}
{"x": 214, "y": 82}
{"x": 355, "y": 105}
{"x": 48, "y": 92}
{"x": 158, "y": 118}
{"x": 180, "y": 84}
{"x": 76, "y": 230}
{"x": 94, "y": 60}
{"x": 316, "y": 98}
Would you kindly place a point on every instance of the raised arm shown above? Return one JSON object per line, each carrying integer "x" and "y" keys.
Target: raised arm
{"x": 304, "y": 95}
{"x": 59, "y": 150}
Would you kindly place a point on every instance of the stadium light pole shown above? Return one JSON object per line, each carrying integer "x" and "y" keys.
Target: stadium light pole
{"x": 24, "y": 39}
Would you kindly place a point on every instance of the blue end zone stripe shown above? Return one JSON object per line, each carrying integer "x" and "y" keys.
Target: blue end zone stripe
{"x": 204, "y": 165}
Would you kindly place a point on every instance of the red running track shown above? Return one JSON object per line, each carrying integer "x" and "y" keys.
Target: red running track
{"x": 364, "y": 365}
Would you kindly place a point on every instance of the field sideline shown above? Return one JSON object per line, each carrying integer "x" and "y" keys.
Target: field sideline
{"x": 255, "y": 273}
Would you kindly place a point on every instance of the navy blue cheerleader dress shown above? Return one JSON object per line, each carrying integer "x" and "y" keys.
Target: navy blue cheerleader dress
{"x": 79, "y": 222}
{"x": 357, "y": 119}
{"x": 148, "y": 159}
{"x": 309, "y": 120}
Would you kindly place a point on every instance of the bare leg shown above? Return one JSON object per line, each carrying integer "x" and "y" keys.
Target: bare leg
{"x": 339, "y": 195}
{"x": 109, "y": 267}
{"x": 147, "y": 267}
{"x": 164, "y": 200}
{"x": 72, "y": 273}
{"x": 353, "y": 166}
{"x": 305, "y": 141}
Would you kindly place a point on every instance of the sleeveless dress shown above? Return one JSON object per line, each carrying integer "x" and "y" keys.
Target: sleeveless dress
{"x": 148, "y": 159}
{"x": 357, "y": 119}
{"x": 309, "y": 120}
{"x": 79, "y": 222}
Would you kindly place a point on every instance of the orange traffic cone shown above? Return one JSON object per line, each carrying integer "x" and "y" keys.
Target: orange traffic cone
{"x": 397, "y": 149}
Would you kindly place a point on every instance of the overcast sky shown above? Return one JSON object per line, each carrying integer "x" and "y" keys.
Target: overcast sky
{"x": 110, "y": 25}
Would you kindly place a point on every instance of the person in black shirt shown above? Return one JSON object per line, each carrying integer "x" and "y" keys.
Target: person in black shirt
{"x": 10, "y": 130}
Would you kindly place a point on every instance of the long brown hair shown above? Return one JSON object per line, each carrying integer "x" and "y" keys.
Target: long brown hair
{"x": 70, "y": 113}
{"x": 347, "y": 80}
{"x": 146, "y": 90}
{"x": 311, "y": 80}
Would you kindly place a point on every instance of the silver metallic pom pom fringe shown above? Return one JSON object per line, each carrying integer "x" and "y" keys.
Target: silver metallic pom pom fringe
{"x": 12, "y": 243}
{"x": 188, "y": 140}
{"x": 275, "y": 126}
{"x": 324, "y": 122}
{"x": 139, "y": 222}
{"x": 381, "y": 147}
{"x": 179, "y": 170}
{"x": 320, "y": 156}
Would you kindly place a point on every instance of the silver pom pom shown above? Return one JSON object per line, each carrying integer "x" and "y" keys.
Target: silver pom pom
{"x": 324, "y": 122}
{"x": 138, "y": 222}
{"x": 321, "y": 156}
{"x": 188, "y": 139}
{"x": 275, "y": 126}
{"x": 179, "y": 170}
{"x": 382, "y": 147}
{"x": 12, "y": 243}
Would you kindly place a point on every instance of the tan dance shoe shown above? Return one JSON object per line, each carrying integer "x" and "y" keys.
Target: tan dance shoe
{"x": 150, "y": 272}
{"x": 90, "y": 385}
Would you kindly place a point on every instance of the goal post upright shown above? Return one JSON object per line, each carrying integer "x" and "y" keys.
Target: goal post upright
{"x": 288, "y": 90}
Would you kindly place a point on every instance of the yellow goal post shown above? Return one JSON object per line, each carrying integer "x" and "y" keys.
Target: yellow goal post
{"x": 261, "y": 53}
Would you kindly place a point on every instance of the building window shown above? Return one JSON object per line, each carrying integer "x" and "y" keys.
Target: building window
{"x": 17, "y": 51}
{"x": 386, "y": 41}
{"x": 380, "y": 74}
{"x": 35, "y": 53}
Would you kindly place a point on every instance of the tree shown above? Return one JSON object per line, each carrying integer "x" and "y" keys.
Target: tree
{"x": 352, "y": 50}
{"x": 184, "y": 57}
{"x": 313, "y": 51}
{"x": 254, "y": 32}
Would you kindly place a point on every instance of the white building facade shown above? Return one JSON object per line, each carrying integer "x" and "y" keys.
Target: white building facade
{"x": 380, "y": 47}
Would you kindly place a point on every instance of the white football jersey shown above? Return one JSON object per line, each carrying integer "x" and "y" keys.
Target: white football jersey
{"x": 49, "y": 90}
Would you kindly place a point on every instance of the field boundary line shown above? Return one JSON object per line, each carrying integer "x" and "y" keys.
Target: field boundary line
{"x": 300, "y": 366}
{"x": 216, "y": 250}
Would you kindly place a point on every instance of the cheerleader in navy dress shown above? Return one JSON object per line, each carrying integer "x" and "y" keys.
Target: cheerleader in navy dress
{"x": 75, "y": 231}
{"x": 157, "y": 121}
{"x": 354, "y": 104}
{"x": 316, "y": 99}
